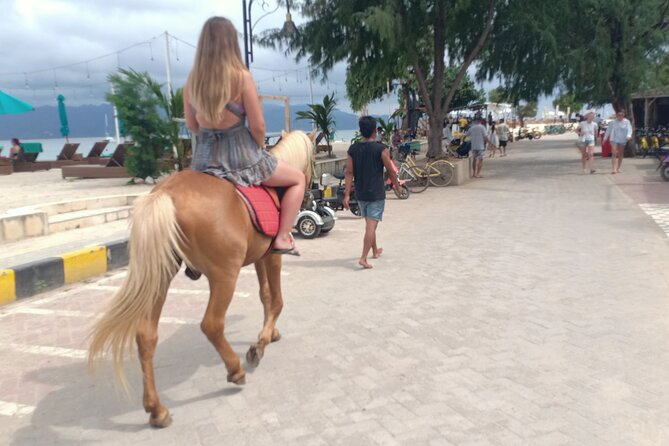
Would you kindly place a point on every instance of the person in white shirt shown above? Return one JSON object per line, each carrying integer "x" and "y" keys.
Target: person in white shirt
{"x": 503, "y": 136}
{"x": 619, "y": 132}
{"x": 587, "y": 132}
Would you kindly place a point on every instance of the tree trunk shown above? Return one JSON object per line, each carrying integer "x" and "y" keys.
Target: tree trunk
{"x": 434, "y": 149}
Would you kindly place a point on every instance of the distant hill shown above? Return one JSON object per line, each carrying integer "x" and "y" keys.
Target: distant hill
{"x": 89, "y": 121}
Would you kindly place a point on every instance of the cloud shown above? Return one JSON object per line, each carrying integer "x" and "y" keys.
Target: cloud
{"x": 46, "y": 34}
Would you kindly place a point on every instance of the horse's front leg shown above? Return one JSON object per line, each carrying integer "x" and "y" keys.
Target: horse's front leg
{"x": 269, "y": 279}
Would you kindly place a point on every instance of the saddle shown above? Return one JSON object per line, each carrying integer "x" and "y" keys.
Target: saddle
{"x": 263, "y": 206}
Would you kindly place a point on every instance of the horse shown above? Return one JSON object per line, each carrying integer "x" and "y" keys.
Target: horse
{"x": 201, "y": 220}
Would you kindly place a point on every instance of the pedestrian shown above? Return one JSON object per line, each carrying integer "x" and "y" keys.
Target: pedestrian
{"x": 15, "y": 150}
{"x": 619, "y": 132}
{"x": 503, "y": 135}
{"x": 478, "y": 139}
{"x": 587, "y": 132}
{"x": 491, "y": 121}
{"x": 379, "y": 134}
{"x": 446, "y": 135}
{"x": 494, "y": 140}
{"x": 364, "y": 167}
{"x": 221, "y": 106}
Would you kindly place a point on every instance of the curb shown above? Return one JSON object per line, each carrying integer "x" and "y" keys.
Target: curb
{"x": 36, "y": 277}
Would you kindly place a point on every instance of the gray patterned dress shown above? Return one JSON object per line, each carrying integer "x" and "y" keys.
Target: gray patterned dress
{"x": 232, "y": 154}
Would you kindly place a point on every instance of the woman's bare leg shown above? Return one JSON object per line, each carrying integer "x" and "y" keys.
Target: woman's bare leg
{"x": 294, "y": 181}
{"x": 590, "y": 153}
{"x": 583, "y": 157}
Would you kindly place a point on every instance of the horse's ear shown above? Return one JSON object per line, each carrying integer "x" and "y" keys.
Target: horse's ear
{"x": 312, "y": 135}
{"x": 284, "y": 133}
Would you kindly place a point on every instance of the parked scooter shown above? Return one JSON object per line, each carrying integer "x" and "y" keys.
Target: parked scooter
{"x": 333, "y": 196}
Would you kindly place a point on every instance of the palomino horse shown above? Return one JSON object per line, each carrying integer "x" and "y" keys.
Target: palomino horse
{"x": 200, "y": 219}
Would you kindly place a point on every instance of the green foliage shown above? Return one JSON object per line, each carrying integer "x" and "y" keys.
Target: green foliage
{"x": 466, "y": 93}
{"x": 568, "y": 101}
{"x": 526, "y": 110}
{"x": 147, "y": 114}
{"x": 386, "y": 40}
{"x": 322, "y": 116}
{"x": 599, "y": 50}
{"x": 499, "y": 95}
{"x": 388, "y": 127}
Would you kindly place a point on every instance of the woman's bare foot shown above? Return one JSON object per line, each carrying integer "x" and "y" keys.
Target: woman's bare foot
{"x": 378, "y": 253}
{"x": 364, "y": 264}
{"x": 619, "y": 171}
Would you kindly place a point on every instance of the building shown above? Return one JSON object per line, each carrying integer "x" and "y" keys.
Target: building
{"x": 651, "y": 108}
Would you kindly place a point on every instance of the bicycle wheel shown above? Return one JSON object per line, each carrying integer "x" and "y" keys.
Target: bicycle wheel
{"x": 415, "y": 179}
{"x": 440, "y": 173}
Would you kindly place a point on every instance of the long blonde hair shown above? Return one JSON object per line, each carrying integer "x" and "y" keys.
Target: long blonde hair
{"x": 218, "y": 69}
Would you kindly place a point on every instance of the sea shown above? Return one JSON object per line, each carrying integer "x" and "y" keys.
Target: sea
{"x": 52, "y": 147}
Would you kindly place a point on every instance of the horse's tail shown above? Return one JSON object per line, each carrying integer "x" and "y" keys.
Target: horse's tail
{"x": 155, "y": 251}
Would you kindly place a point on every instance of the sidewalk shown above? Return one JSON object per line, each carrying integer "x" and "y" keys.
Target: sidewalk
{"x": 528, "y": 307}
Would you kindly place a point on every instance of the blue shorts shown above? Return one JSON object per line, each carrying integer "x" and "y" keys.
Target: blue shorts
{"x": 372, "y": 209}
{"x": 478, "y": 154}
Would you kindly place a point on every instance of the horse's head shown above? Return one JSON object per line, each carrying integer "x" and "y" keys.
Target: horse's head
{"x": 296, "y": 148}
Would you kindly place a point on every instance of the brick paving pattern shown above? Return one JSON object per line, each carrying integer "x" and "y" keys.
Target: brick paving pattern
{"x": 528, "y": 307}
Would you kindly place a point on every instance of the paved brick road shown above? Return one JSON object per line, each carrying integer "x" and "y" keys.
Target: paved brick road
{"x": 529, "y": 307}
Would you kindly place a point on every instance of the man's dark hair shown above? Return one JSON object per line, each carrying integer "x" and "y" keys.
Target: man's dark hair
{"x": 367, "y": 126}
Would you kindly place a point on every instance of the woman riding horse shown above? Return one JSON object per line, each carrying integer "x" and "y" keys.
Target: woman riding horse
{"x": 199, "y": 218}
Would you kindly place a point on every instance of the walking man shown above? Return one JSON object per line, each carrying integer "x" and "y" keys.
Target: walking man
{"x": 503, "y": 135}
{"x": 479, "y": 139}
{"x": 364, "y": 166}
{"x": 619, "y": 132}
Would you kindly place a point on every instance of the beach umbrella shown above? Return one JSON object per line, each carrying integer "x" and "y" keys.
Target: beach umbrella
{"x": 62, "y": 114}
{"x": 9, "y": 105}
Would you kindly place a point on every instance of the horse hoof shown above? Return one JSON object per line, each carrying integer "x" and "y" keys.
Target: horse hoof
{"x": 254, "y": 355}
{"x": 276, "y": 336}
{"x": 163, "y": 420}
{"x": 238, "y": 378}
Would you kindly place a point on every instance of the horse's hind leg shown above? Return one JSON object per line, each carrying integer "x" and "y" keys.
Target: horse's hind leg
{"x": 213, "y": 325}
{"x": 269, "y": 279}
{"x": 147, "y": 339}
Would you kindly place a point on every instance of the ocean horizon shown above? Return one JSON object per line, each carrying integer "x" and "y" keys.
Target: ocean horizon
{"x": 52, "y": 147}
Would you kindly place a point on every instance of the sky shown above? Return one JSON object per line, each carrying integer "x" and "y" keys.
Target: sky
{"x": 69, "y": 47}
{"x": 40, "y": 35}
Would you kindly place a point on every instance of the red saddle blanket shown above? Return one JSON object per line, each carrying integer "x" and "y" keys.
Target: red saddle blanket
{"x": 263, "y": 206}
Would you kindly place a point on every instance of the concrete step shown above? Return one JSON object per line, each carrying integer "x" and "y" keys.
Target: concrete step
{"x": 88, "y": 217}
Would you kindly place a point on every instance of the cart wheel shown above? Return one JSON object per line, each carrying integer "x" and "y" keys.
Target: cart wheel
{"x": 355, "y": 209}
{"x": 308, "y": 228}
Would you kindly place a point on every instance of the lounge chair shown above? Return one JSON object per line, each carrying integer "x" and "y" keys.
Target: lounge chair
{"x": 68, "y": 156}
{"x": 67, "y": 152}
{"x": 27, "y": 159}
{"x": 95, "y": 154}
{"x": 114, "y": 168}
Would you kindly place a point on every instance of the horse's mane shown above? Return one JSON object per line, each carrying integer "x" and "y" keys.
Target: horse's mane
{"x": 296, "y": 148}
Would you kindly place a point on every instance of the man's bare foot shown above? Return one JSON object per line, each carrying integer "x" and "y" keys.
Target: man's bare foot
{"x": 378, "y": 253}
{"x": 364, "y": 264}
{"x": 619, "y": 171}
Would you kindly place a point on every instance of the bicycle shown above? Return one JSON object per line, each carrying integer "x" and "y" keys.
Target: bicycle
{"x": 438, "y": 173}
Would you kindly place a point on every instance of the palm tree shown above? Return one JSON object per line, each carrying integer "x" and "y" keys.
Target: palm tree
{"x": 388, "y": 128}
{"x": 322, "y": 117}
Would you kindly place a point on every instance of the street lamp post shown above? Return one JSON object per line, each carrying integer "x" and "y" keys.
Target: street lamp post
{"x": 288, "y": 29}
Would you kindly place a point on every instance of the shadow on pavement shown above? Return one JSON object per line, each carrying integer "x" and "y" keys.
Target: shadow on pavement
{"x": 86, "y": 402}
